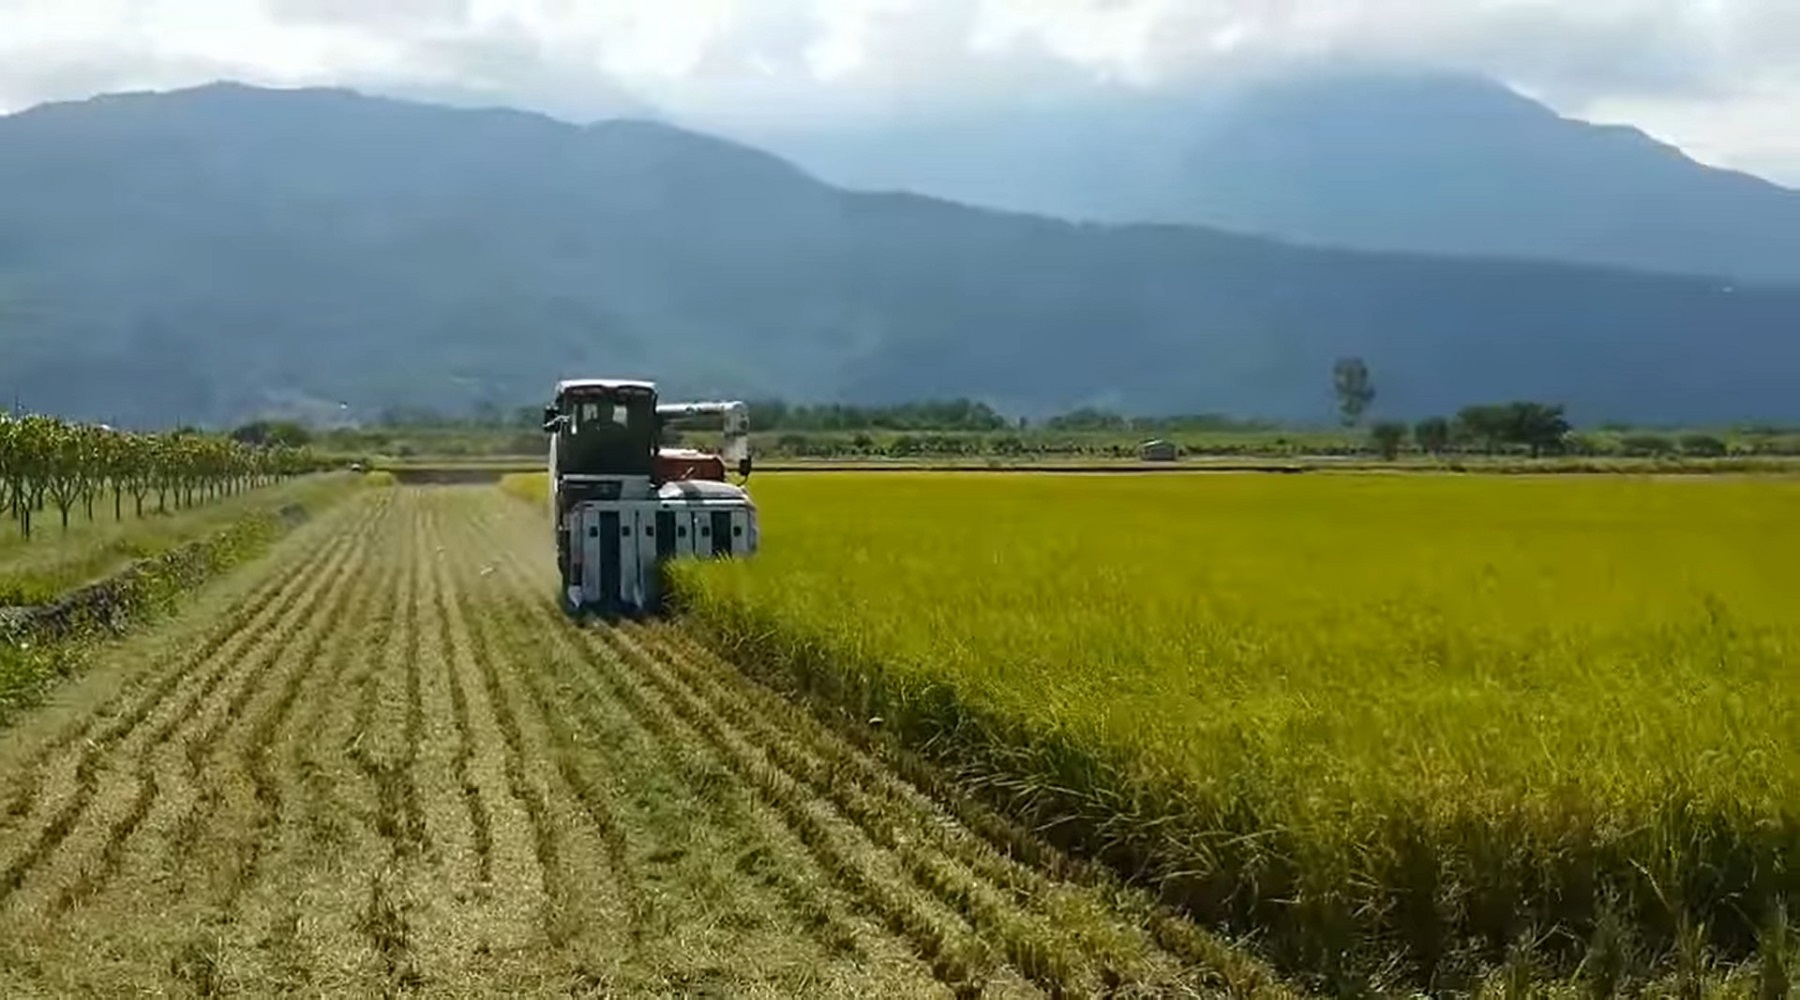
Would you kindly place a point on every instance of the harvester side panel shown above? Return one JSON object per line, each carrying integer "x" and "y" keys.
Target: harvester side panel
{"x": 719, "y": 529}
{"x": 665, "y": 534}
{"x": 598, "y": 529}
{"x": 740, "y": 532}
{"x": 622, "y": 545}
{"x": 684, "y": 532}
{"x": 645, "y": 578}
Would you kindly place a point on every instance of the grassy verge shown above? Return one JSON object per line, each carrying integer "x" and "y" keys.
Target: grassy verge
{"x": 46, "y": 640}
{"x": 54, "y": 563}
{"x": 1409, "y": 730}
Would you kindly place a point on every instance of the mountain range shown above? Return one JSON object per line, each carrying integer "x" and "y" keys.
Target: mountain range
{"x": 226, "y": 251}
{"x": 1432, "y": 163}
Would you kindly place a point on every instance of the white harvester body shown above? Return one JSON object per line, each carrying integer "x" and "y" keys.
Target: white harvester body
{"x": 622, "y": 506}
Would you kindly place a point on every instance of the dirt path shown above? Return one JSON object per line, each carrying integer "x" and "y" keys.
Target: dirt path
{"x": 382, "y": 762}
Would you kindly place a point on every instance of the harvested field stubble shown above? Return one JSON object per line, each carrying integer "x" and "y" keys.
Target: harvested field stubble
{"x": 1406, "y": 728}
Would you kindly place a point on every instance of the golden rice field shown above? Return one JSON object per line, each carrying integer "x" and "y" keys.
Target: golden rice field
{"x": 1397, "y": 728}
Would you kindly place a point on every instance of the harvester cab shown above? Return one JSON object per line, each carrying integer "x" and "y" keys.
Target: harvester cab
{"x": 622, "y": 505}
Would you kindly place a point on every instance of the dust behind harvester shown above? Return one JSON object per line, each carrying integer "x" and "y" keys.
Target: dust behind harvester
{"x": 622, "y": 505}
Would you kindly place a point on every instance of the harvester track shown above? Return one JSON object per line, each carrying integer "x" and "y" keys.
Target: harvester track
{"x": 382, "y": 762}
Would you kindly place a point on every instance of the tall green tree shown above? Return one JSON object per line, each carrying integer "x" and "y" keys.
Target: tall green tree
{"x": 1355, "y": 390}
{"x": 1540, "y": 427}
{"x": 1387, "y": 436}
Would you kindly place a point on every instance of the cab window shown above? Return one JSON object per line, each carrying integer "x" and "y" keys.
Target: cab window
{"x": 599, "y": 416}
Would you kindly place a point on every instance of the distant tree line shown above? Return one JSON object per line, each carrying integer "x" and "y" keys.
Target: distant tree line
{"x": 1496, "y": 424}
{"x": 944, "y": 445}
{"x": 926, "y": 415}
{"x": 930, "y": 415}
{"x": 1537, "y": 428}
{"x": 967, "y": 428}
{"x": 1540, "y": 429}
{"x": 273, "y": 433}
{"x": 765, "y": 414}
{"x": 1091, "y": 419}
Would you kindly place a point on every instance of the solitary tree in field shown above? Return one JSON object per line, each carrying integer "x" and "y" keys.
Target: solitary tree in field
{"x": 1540, "y": 427}
{"x": 1350, "y": 377}
{"x": 1387, "y": 437}
{"x": 1432, "y": 434}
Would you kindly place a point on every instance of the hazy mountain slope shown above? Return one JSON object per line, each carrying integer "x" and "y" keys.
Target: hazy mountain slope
{"x": 1435, "y": 164}
{"x": 199, "y": 254}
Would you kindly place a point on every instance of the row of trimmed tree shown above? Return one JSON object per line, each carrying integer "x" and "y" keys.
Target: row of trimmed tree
{"x": 50, "y": 464}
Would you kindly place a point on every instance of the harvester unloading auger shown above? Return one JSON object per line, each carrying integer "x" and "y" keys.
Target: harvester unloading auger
{"x": 622, "y": 504}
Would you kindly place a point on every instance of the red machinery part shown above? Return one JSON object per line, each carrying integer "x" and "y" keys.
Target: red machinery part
{"x": 673, "y": 466}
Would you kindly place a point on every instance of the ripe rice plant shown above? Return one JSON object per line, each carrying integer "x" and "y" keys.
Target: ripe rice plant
{"x": 1406, "y": 728}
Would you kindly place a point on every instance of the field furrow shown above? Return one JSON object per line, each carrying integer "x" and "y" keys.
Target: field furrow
{"x": 219, "y": 848}
{"x": 735, "y": 865}
{"x": 380, "y": 748}
{"x": 273, "y": 929}
{"x": 95, "y": 797}
{"x": 33, "y": 773}
{"x": 585, "y": 922}
{"x": 500, "y": 913}
{"x": 129, "y": 807}
{"x": 48, "y": 771}
{"x": 688, "y": 821}
{"x": 450, "y": 880}
{"x": 318, "y": 906}
{"x": 383, "y": 762}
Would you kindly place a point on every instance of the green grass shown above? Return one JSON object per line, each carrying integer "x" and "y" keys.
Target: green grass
{"x": 54, "y": 562}
{"x": 1407, "y": 728}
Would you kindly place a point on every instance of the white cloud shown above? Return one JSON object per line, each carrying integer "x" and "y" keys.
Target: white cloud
{"x": 1753, "y": 132}
{"x": 1717, "y": 77}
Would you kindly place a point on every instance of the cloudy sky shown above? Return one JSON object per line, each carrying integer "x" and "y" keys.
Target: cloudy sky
{"x": 1720, "y": 78}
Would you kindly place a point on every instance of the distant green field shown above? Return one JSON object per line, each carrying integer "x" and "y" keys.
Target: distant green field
{"x": 1401, "y": 725}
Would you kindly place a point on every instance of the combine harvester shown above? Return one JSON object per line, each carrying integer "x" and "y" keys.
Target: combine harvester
{"x": 622, "y": 504}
